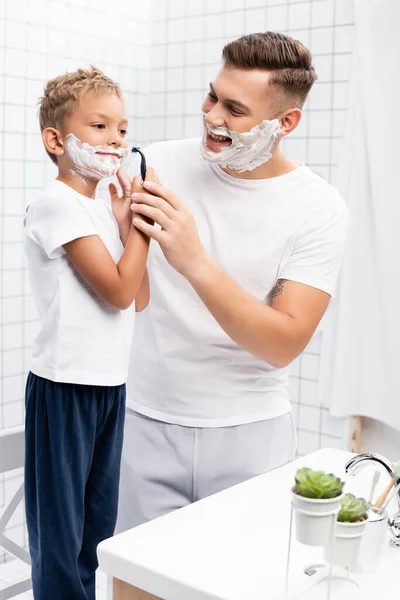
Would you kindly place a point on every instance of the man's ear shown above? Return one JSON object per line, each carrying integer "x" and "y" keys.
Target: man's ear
{"x": 52, "y": 140}
{"x": 291, "y": 118}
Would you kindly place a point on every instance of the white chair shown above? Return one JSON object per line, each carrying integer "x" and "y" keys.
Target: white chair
{"x": 12, "y": 452}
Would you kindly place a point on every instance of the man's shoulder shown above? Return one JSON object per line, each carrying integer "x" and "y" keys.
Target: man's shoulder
{"x": 323, "y": 194}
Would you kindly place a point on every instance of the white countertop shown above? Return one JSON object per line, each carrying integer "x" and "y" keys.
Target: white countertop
{"x": 233, "y": 545}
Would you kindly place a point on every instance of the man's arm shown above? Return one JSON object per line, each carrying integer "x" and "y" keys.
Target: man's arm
{"x": 277, "y": 333}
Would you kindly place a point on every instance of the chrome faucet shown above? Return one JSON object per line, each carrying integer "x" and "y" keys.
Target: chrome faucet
{"x": 356, "y": 464}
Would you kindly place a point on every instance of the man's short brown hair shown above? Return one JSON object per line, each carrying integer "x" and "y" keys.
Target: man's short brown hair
{"x": 63, "y": 94}
{"x": 288, "y": 60}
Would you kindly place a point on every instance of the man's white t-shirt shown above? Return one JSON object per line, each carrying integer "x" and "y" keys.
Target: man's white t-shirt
{"x": 81, "y": 339}
{"x": 184, "y": 367}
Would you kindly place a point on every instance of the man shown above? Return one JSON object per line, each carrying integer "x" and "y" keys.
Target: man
{"x": 246, "y": 257}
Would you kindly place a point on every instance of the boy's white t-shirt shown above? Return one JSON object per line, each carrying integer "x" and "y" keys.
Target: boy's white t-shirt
{"x": 184, "y": 368}
{"x": 82, "y": 340}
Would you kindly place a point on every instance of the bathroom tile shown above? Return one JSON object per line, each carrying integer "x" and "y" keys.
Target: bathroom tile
{"x": 320, "y": 151}
{"x": 13, "y": 414}
{"x": 194, "y": 28}
{"x": 156, "y": 105}
{"x": 174, "y": 104}
{"x": 176, "y": 9}
{"x": 234, "y": 24}
{"x": 12, "y": 308}
{"x": 175, "y": 78}
{"x": 300, "y": 15}
{"x": 294, "y": 367}
{"x": 309, "y": 392}
{"x": 320, "y": 96}
{"x": 193, "y": 102}
{"x": 16, "y": 33}
{"x": 310, "y": 366}
{"x": 214, "y": 25}
{"x": 322, "y": 13}
{"x": 338, "y": 123}
{"x": 33, "y": 175}
{"x": 309, "y": 418}
{"x": 176, "y": 30}
{"x": 342, "y": 67}
{"x": 14, "y": 143}
{"x": 192, "y": 127}
{"x": 18, "y": 10}
{"x": 213, "y": 51}
{"x": 13, "y": 389}
{"x": 159, "y": 32}
{"x": 157, "y": 80}
{"x": 159, "y": 9}
{"x": 32, "y": 92}
{"x": 194, "y": 78}
{"x": 14, "y": 90}
{"x": 332, "y": 426}
{"x": 344, "y": 12}
{"x": 12, "y": 361}
{"x": 296, "y": 149}
{"x": 213, "y": 6}
{"x": 340, "y": 92}
{"x": 14, "y": 119}
{"x": 344, "y": 38}
{"x": 302, "y": 35}
{"x": 321, "y": 41}
{"x": 255, "y": 20}
{"x": 13, "y": 255}
{"x": 320, "y": 124}
{"x": 308, "y": 442}
{"x": 195, "y": 53}
{"x": 235, "y": 4}
{"x": 333, "y": 442}
{"x": 293, "y": 389}
{"x": 255, "y": 4}
{"x": 314, "y": 345}
{"x": 13, "y": 283}
{"x": 176, "y": 55}
{"x": 37, "y": 35}
{"x": 174, "y": 128}
{"x": 277, "y": 18}
{"x": 323, "y": 65}
{"x": 155, "y": 127}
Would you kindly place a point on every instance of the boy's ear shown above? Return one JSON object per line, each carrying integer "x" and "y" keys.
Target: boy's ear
{"x": 52, "y": 140}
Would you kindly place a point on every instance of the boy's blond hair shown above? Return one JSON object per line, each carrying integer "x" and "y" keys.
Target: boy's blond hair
{"x": 63, "y": 94}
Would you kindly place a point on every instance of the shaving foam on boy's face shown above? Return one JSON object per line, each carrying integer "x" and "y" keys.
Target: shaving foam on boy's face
{"x": 246, "y": 151}
{"x": 94, "y": 162}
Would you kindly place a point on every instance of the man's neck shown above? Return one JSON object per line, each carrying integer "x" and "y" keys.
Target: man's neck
{"x": 277, "y": 165}
{"x": 79, "y": 183}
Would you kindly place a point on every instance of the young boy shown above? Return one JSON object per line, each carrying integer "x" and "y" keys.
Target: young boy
{"x": 85, "y": 284}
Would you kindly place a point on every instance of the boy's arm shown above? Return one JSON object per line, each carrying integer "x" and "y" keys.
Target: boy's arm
{"x": 116, "y": 284}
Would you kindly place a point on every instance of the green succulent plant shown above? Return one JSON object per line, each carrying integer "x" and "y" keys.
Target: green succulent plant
{"x": 353, "y": 509}
{"x": 317, "y": 484}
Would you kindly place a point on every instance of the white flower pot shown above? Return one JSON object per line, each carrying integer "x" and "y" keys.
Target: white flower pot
{"x": 347, "y": 544}
{"x": 315, "y": 519}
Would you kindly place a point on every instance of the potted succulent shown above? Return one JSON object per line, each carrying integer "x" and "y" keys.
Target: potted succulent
{"x": 316, "y": 499}
{"x": 351, "y": 523}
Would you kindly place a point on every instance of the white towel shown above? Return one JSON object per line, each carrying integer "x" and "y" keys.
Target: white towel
{"x": 360, "y": 372}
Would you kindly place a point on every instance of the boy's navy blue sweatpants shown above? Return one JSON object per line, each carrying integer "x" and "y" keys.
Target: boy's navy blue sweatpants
{"x": 73, "y": 453}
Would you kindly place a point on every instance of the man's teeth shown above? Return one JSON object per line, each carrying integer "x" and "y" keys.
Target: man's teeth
{"x": 218, "y": 138}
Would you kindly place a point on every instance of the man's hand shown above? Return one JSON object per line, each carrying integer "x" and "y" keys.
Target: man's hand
{"x": 178, "y": 237}
{"x": 121, "y": 205}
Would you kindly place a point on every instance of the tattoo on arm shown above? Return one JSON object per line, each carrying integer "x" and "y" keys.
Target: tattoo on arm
{"x": 278, "y": 289}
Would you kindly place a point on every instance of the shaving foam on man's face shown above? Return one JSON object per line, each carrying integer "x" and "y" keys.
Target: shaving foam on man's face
{"x": 94, "y": 162}
{"x": 240, "y": 151}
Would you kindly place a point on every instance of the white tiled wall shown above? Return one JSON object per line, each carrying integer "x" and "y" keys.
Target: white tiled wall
{"x": 187, "y": 39}
{"x": 39, "y": 40}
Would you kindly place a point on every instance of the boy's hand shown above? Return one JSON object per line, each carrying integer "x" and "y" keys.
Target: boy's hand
{"x": 121, "y": 204}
